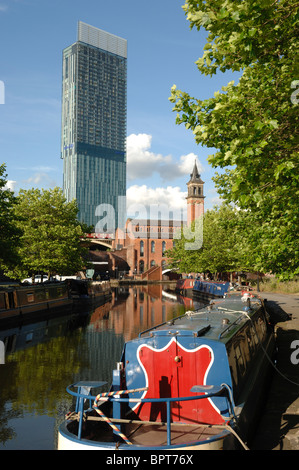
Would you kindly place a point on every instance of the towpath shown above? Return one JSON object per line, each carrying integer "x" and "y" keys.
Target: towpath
{"x": 279, "y": 425}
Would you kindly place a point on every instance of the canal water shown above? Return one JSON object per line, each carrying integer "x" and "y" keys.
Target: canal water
{"x": 43, "y": 358}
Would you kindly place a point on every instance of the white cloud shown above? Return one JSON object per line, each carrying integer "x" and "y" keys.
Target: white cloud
{"x": 187, "y": 163}
{"x": 143, "y": 163}
{"x": 144, "y": 199}
{"x": 40, "y": 179}
{"x": 10, "y": 184}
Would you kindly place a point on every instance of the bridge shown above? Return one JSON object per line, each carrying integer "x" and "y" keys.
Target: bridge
{"x": 98, "y": 239}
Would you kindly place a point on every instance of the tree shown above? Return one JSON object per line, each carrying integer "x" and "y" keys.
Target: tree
{"x": 223, "y": 248}
{"x": 253, "y": 124}
{"x": 51, "y": 232}
{"x": 9, "y": 233}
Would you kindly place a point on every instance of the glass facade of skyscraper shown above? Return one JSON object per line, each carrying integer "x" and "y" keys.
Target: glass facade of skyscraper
{"x": 94, "y": 115}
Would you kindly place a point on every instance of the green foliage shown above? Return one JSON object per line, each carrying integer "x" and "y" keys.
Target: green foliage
{"x": 223, "y": 248}
{"x": 9, "y": 233}
{"x": 51, "y": 232}
{"x": 253, "y": 124}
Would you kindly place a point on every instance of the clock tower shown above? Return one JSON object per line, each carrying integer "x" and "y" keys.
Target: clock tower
{"x": 195, "y": 198}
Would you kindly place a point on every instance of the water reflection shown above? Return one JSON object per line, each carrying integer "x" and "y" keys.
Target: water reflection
{"x": 42, "y": 358}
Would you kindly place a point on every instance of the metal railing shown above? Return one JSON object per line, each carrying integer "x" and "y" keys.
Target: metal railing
{"x": 208, "y": 391}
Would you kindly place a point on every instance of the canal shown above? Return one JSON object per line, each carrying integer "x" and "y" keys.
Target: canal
{"x": 42, "y": 358}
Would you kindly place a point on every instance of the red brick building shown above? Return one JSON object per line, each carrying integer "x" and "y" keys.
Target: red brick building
{"x": 143, "y": 243}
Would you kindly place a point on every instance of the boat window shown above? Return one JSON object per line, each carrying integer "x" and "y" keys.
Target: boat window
{"x": 2, "y": 301}
{"x": 245, "y": 349}
{"x": 251, "y": 340}
{"x": 240, "y": 359}
{"x": 261, "y": 328}
{"x": 11, "y": 300}
{"x": 233, "y": 366}
{"x": 30, "y": 297}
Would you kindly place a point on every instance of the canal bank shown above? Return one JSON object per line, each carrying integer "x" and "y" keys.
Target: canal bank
{"x": 279, "y": 425}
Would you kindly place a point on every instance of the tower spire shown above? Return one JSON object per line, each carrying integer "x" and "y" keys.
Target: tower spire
{"x": 195, "y": 198}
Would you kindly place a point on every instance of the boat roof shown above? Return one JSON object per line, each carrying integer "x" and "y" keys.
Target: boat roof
{"x": 220, "y": 320}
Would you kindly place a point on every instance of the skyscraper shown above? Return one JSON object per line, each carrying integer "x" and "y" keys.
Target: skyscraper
{"x": 93, "y": 128}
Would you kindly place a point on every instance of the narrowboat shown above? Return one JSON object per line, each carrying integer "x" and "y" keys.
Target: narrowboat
{"x": 24, "y": 301}
{"x": 87, "y": 293}
{"x": 210, "y": 289}
{"x": 185, "y": 286}
{"x": 194, "y": 382}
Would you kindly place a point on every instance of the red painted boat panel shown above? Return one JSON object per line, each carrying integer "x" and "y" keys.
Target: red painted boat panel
{"x": 171, "y": 372}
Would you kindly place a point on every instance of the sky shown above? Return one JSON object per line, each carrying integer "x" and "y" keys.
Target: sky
{"x": 162, "y": 50}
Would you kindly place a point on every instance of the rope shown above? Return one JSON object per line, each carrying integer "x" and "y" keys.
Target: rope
{"x": 105, "y": 418}
{"x": 118, "y": 392}
{"x": 115, "y": 428}
{"x": 267, "y": 355}
{"x": 236, "y": 435}
{"x": 261, "y": 344}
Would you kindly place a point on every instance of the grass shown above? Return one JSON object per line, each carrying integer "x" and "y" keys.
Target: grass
{"x": 283, "y": 287}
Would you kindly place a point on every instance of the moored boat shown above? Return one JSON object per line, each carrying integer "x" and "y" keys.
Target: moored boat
{"x": 184, "y": 286}
{"x": 194, "y": 382}
{"x": 24, "y": 301}
{"x": 212, "y": 289}
{"x": 86, "y": 293}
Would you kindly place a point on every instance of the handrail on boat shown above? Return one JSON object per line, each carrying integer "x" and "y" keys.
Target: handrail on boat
{"x": 168, "y": 322}
{"x": 231, "y": 325}
{"x": 208, "y": 390}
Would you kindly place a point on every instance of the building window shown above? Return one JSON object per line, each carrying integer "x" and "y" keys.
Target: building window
{"x": 163, "y": 248}
{"x": 152, "y": 247}
{"x": 153, "y": 263}
{"x": 141, "y": 248}
{"x": 141, "y": 266}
